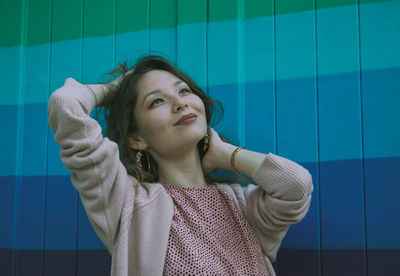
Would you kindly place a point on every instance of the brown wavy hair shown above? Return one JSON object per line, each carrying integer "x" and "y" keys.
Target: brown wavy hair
{"x": 117, "y": 109}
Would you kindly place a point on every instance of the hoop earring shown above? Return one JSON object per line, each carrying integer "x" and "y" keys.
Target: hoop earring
{"x": 206, "y": 142}
{"x": 138, "y": 157}
{"x": 139, "y": 161}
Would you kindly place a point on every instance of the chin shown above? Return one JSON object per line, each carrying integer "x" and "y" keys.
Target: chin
{"x": 194, "y": 135}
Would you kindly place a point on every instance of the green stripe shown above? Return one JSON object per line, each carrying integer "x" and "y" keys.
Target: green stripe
{"x": 132, "y": 16}
{"x": 67, "y": 20}
{"x": 132, "y": 13}
{"x": 191, "y": 11}
{"x": 38, "y": 22}
{"x": 10, "y": 22}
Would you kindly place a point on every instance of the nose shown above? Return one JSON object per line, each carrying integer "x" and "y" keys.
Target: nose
{"x": 179, "y": 104}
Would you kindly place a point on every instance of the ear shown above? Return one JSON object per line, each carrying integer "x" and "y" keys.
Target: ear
{"x": 136, "y": 142}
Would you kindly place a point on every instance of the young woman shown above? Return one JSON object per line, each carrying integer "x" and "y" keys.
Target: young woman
{"x": 145, "y": 187}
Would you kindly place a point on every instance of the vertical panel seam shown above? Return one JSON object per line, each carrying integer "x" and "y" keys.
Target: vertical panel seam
{"x": 115, "y": 35}
{"x": 206, "y": 44}
{"x": 241, "y": 97}
{"x": 275, "y": 86}
{"x": 177, "y": 61}
{"x": 149, "y": 26}
{"x": 176, "y": 33}
{"x": 204, "y": 66}
{"x": 19, "y": 147}
{"x": 76, "y": 194}
{"x": 274, "y": 94}
{"x": 47, "y": 142}
{"x": 320, "y": 255}
{"x": 362, "y": 141}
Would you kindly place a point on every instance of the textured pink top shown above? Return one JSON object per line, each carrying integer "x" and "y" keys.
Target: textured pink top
{"x": 209, "y": 235}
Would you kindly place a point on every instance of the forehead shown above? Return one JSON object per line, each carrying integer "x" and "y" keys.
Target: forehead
{"x": 156, "y": 79}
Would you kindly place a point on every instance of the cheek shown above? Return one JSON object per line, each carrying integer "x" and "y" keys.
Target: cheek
{"x": 203, "y": 109}
{"x": 153, "y": 124}
{"x": 199, "y": 105}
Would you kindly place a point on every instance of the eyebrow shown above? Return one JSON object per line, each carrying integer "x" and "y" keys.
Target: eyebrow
{"x": 176, "y": 83}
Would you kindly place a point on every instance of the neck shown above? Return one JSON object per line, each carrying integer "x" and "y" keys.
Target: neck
{"x": 183, "y": 170}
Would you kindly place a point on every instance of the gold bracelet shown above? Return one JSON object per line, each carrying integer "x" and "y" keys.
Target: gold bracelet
{"x": 233, "y": 159}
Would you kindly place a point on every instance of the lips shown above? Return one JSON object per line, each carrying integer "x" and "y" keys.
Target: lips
{"x": 184, "y": 118}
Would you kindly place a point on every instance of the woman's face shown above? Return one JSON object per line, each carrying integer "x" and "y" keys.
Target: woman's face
{"x": 162, "y": 100}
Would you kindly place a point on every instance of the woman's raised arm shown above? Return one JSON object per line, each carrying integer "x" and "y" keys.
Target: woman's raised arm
{"x": 96, "y": 170}
{"x": 282, "y": 197}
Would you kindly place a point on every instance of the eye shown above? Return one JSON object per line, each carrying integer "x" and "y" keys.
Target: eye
{"x": 185, "y": 90}
{"x": 155, "y": 101}
{"x": 182, "y": 91}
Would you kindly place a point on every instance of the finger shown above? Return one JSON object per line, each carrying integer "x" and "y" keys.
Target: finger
{"x": 212, "y": 131}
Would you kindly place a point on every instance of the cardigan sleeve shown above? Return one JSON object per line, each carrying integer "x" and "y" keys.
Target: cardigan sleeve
{"x": 96, "y": 170}
{"x": 282, "y": 198}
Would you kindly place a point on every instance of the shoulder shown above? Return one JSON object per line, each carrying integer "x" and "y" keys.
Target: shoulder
{"x": 152, "y": 193}
{"x": 240, "y": 194}
{"x": 239, "y": 190}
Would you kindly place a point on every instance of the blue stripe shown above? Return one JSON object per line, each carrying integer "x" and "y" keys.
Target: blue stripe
{"x": 7, "y": 210}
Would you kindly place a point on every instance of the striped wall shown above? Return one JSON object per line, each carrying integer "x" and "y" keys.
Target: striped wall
{"x": 315, "y": 81}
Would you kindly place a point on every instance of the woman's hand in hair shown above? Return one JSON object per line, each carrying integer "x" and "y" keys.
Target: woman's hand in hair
{"x": 101, "y": 90}
{"x": 118, "y": 80}
{"x": 218, "y": 153}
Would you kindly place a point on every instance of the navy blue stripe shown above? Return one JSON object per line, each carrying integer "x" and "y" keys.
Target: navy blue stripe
{"x": 298, "y": 262}
{"x": 54, "y": 262}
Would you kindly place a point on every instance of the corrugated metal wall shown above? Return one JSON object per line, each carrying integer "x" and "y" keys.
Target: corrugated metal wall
{"x": 314, "y": 81}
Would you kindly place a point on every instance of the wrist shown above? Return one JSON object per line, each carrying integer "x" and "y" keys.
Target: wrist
{"x": 98, "y": 91}
{"x": 233, "y": 157}
{"x": 226, "y": 155}
{"x": 119, "y": 79}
